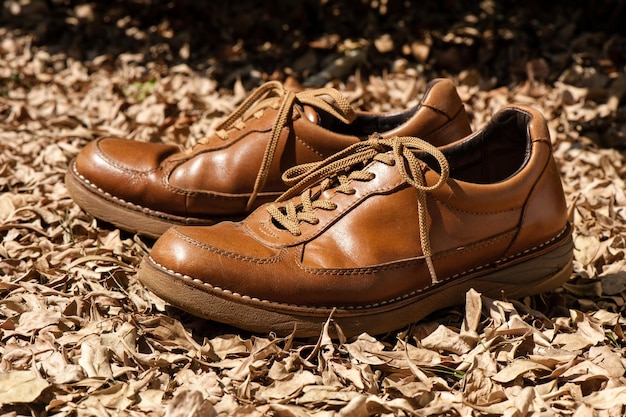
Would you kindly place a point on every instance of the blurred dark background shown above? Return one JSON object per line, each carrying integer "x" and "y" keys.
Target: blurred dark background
{"x": 257, "y": 40}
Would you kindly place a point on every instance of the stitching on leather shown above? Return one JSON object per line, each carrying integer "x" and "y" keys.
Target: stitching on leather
{"x": 128, "y": 204}
{"x": 226, "y": 253}
{"x": 360, "y": 307}
{"x": 362, "y": 271}
{"x": 480, "y": 245}
{"x": 449, "y": 125}
{"x": 116, "y": 164}
{"x": 266, "y": 230}
{"x": 181, "y": 191}
{"x": 477, "y": 213}
{"x": 216, "y": 196}
{"x": 155, "y": 213}
{"x": 397, "y": 265}
{"x": 306, "y": 145}
{"x": 436, "y": 109}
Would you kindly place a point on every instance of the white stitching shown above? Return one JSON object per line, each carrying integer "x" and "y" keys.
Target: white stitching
{"x": 154, "y": 213}
{"x": 121, "y": 201}
{"x": 368, "y": 306}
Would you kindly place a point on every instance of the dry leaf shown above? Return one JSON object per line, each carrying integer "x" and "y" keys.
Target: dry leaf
{"x": 444, "y": 339}
{"x": 480, "y": 390}
{"x": 517, "y": 368}
{"x": 473, "y": 309}
{"x": 289, "y": 387}
{"x": 95, "y": 360}
{"x": 73, "y": 312}
{"x": 118, "y": 396}
{"x": 20, "y": 387}
{"x": 364, "y": 406}
{"x": 189, "y": 404}
{"x": 606, "y": 399}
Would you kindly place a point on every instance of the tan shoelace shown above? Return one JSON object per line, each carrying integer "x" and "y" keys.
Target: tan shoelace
{"x": 337, "y": 171}
{"x": 274, "y": 95}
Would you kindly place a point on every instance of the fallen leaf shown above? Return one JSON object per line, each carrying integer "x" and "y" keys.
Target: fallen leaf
{"x": 444, "y": 339}
{"x": 365, "y": 406}
{"x": 289, "y": 387}
{"x": 608, "y": 360}
{"x": 473, "y": 311}
{"x": 118, "y": 396}
{"x": 20, "y": 387}
{"x": 189, "y": 404}
{"x": 517, "y": 368}
{"x": 95, "y": 360}
{"x": 606, "y": 398}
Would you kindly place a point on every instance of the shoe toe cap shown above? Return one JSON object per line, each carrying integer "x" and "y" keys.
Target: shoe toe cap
{"x": 194, "y": 250}
{"x": 120, "y": 167}
{"x": 107, "y": 156}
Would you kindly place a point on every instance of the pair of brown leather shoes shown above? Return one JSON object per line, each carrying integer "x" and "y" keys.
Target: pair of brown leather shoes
{"x": 374, "y": 219}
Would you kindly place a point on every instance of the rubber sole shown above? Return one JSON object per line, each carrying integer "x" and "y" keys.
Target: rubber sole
{"x": 533, "y": 272}
{"x": 127, "y": 216}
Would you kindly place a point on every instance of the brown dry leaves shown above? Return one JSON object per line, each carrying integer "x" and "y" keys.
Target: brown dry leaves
{"x": 80, "y": 336}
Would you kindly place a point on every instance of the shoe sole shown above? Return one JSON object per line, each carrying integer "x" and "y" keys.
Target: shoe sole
{"x": 536, "y": 271}
{"x": 123, "y": 214}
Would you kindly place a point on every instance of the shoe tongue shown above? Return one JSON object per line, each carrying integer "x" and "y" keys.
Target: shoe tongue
{"x": 311, "y": 114}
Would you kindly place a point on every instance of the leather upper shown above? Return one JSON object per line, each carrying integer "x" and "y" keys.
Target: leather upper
{"x": 503, "y": 198}
{"x": 217, "y": 176}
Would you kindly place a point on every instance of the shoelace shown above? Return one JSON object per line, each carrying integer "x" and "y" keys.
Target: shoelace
{"x": 274, "y": 95}
{"x": 337, "y": 171}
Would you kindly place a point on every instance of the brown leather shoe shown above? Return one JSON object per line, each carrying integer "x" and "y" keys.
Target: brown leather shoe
{"x": 148, "y": 187}
{"x": 380, "y": 235}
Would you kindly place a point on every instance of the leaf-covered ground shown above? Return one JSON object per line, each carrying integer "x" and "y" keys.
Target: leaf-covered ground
{"x": 79, "y": 336}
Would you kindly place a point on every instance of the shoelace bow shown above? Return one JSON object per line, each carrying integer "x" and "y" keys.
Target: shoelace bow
{"x": 274, "y": 95}
{"x": 337, "y": 171}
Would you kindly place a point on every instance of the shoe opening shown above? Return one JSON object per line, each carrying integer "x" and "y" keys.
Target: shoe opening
{"x": 495, "y": 153}
{"x": 366, "y": 124}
